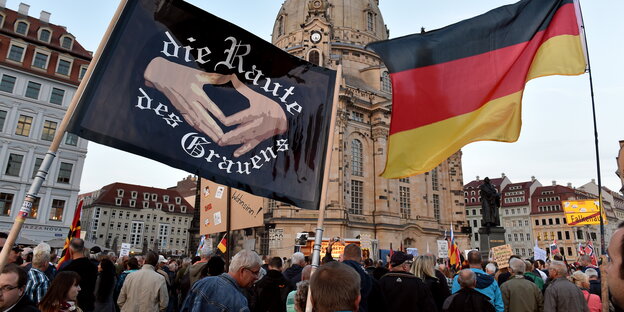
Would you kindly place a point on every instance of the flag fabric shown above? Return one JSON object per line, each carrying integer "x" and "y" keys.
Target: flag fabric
{"x": 454, "y": 253}
{"x": 181, "y": 86}
{"x": 553, "y": 248}
{"x": 391, "y": 251}
{"x": 202, "y": 242}
{"x": 589, "y": 250}
{"x": 464, "y": 82}
{"x": 74, "y": 232}
{"x": 223, "y": 244}
{"x": 581, "y": 249}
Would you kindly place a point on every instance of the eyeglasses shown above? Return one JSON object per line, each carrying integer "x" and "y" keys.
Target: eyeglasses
{"x": 253, "y": 272}
{"x": 7, "y": 288}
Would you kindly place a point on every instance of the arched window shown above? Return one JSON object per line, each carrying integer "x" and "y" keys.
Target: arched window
{"x": 67, "y": 42}
{"x": 386, "y": 84}
{"x": 357, "y": 158}
{"x": 280, "y": 25}
{"x": 314, "y": 57}
{"x": 21, "y": 28}
{"x": 44, "y": 35}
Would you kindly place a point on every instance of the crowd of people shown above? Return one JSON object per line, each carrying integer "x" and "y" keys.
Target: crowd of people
{"x": 94, "y": 281}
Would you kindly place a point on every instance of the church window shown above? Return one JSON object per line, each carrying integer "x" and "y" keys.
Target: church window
{"x": 357, "y": 158}
{"x": 386, "y": 84}
{"x": 370, "y": 21}
{"x": 314, "y": 57}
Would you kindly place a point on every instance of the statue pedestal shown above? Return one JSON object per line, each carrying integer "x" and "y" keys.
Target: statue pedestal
{"x": 490, "y": 237}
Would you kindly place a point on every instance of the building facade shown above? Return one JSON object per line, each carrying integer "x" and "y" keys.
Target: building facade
{"x": 516, "y": 216}
{"x": 41, "y": 65}
{"x": 549, "y": 222}
{"x": 414, "y": 211}
{"x": 147, "y": 218}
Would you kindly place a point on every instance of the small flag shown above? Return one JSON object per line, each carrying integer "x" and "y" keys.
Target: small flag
{"x": 589, "y": 250}
{"x": 553, "y": 248}
{"x": 223, "y": 244}
{"x": 74, "y": 232}
{"x": 454, "y": 254}
{"x": 464, "y": 82}
{"x": 202, "y": 242}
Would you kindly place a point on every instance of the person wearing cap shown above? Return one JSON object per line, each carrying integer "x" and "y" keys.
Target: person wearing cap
{"x": 94, "y": 255}
{"x": 404, "y": 291}
{"x": 88, "y": 273}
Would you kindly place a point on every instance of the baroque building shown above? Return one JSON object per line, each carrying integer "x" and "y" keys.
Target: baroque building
{"x": 41, "y": 65}
{"x": 148, "y": 218}
{"x": 412, "y": 212}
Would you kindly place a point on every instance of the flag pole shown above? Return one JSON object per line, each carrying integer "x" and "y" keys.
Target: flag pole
{"x": 591, "y": 90}
{"x": 42, "y": 173}
{"x": 227, "y": 228}
{"x": 318, "y": 239}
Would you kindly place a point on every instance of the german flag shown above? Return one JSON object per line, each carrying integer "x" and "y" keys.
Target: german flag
{"x": 74, "y": 231}
{"x": 464, "y": 83}
{"x": 222, "y": 246}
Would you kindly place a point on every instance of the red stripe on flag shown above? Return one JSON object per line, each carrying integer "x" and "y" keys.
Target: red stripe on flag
{"x": 434, "y": 93}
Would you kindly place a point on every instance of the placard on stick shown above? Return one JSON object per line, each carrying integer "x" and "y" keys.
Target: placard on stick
{"x": 501, "y": 255}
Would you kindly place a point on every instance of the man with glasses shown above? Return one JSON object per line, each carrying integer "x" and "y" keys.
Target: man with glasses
{"x": 12, "y": 290}
{"x": 224, "y": 292}
{"x": 404, "y": 291}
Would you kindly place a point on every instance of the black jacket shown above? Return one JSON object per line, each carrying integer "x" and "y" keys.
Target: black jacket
{"x": 468, "y": 300}
{"x": 24, "y": 305}
{"x": 271, "y": 292}
{"x": 439, "y": 288}
{"x": 293, "y": 274}
{"x": 365, "y": 284}
{"x": 405, "y": 292}
{"x": 88, "y": 275}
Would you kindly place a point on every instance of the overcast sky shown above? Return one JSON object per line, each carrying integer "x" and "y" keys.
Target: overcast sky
{"x": 557, "y": 138}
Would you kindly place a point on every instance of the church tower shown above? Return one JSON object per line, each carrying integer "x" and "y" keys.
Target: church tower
{"x": 414, "y": 211}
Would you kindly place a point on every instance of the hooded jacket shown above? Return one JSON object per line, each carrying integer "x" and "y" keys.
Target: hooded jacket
{"x": 486, "y": 285}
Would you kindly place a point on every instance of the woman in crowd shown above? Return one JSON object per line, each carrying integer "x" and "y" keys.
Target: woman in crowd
{"x": 581, "y": 280}
{"x": 105, "y": 286}
{"x": 62, "y": 294}
{"x": 424, "y": 268}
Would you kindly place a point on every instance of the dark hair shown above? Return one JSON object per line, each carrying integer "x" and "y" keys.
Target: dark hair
{"x": 216, "y": 266}
{"x": 195, "y": 259}
{"x": 106, "y": 280}
{"x": 368, "y": 262}
{"x": 4, "y": 235}
{"x": 22, "y": 277}
{"x": 151, "y": 258}
{"x": 57, "y": 292}
{"x": 474, "y": 256}
{"x": 132, "y": 264}
{"x": 77, "y": 244}
{"x": 275, "y": 262}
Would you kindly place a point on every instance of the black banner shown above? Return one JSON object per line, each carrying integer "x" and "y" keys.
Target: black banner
{"x": 186, "y": 88}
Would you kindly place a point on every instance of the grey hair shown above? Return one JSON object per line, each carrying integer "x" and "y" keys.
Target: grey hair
{"x": 205, "y": 252}
{"x": 245, "y": 259}
{"x": 466, "y": 278}
{"x": 41, "y": 255}
{"x": 490, "y": 268}
{"x": 559, "y": 267}
{"x": 297, "y": 258}
{"x": 517, "y": 266}
{"x": 591, "y": 272}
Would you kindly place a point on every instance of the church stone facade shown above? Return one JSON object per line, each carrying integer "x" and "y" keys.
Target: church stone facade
{"x": 414, "y": 211}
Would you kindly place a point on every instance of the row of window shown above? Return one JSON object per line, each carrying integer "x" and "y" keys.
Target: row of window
{"x": 146, "y": 204}
{"x": 43, "y": 33}
{"x": 135, "y": 225}
{"x": 519, "y": 237}
{"x": 33, "y": 90}
{"x": 517, "y": 199}
{"x": 514, "y": 193}
{"x": 56, "y": 211}
{"x": 550, "y": 221}
{"x": 114, "y": 214}
{"x": 549, "y": 236}
{"x": 14, "y": 168}
{"x": 136, "y": 240}
{"x": 147, "y": 196}
{"x": 41, "y": 60}
{"x": 548, "y": 199}
{"x": 548, "y": 208}
{"x": 24, "y": 127}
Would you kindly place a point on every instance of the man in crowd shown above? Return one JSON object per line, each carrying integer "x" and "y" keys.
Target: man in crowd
{"x": 404, "y": 291}
{"x": 467, "y": 298}
{"x": 540, "y": 268}
{"x": 12, "y": 290}
{"x": 38, "y": 282}
{"x": 372, "y": 300}
{"x": 561, "y": 294}
{"x": 196, "y": 268}
{"x": 144, "y": 290}
{"x": 335, "y": 287}
{"x": 485, "y": 284}
{"x": 594, "y": 282}
{"x": 293, "y": 274}
{"x": 87, "y": 271}
{"x": 94, "y": 255}
{"x": 224, "y": 292}
{"x": 518, "y": 293}
{"x": 273, "y": 288}
{"x": 615, "y": 269}
{"x": 586, "y": 263}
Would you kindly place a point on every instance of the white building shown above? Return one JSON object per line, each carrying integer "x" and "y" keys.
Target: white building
{"x": 41, "y": 65}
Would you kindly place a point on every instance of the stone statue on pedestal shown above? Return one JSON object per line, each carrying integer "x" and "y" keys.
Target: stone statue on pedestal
{"x": 490, "y": 202}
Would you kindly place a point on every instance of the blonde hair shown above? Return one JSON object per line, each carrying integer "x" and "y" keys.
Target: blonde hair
{"x": 580, "y": 279}
{"x": 423, "y": 267}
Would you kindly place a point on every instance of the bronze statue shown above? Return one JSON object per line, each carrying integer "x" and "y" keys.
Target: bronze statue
{"x": 490, "y": 202}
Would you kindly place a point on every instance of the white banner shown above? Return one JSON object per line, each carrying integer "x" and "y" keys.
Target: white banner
{"x": 125, "y": 249}
{"x": 442, "y": 249}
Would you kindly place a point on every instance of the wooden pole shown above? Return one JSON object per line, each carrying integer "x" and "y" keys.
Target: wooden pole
{"x": 318, "y": 239}
{"x": 42, "y": 173}
{"x": 228, "y": 225}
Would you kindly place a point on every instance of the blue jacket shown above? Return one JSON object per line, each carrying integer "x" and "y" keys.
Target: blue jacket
{"x": 216, "y": 294}
{"x": 486, "y": 285}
